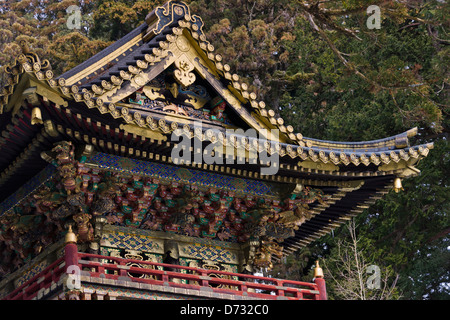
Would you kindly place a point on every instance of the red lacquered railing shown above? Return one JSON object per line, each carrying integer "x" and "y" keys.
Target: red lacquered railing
{"x": 195, "y": 278}
{"x": 42, "y": 280}
{"x": 149, "y": 272}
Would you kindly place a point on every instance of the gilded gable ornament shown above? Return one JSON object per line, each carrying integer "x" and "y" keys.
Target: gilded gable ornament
{"x": 183, "y": 44}
{"x": 183, "y": 74}
{"x": 176, "y": 10}
{"x": 166, "y": 15}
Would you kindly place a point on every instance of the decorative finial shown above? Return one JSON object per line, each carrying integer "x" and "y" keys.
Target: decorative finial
{"x": 36, "y": 116}
{"x": 70, "y": 236}
{"x": 24, "y": 46}
{"x": 318, "y": 272}
{"x": 169, "y": 12}
{"x": 398, "y": 185}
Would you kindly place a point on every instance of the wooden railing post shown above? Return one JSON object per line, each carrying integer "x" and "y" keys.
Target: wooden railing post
{"x": 123, "y": 268}
{"x": 72, "y": 267}
{"x": 320, "y": 282}
{"x": 70, "y": 249}
{"x": 280, "y": 286}
{"x": 204, "y": 276}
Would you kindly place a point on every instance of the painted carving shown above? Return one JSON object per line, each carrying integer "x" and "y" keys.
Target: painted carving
{"x": 264, "y": 254}
{"x": 277, "y": 223}
{"x": 66, "y": 165}
{"x": 217, "y": 109}
{"x": 84, "y": 227}
{"x": 183, "y": 72}
{"x": 175, "y": 92}
{"x": 78, "y": 194}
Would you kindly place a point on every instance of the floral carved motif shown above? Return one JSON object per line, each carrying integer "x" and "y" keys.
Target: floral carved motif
{"x": 183, "y": 72}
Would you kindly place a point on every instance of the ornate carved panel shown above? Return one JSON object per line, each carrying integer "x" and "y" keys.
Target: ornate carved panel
{"x": 132, "y": 242}
{"x": 204, "y": 252}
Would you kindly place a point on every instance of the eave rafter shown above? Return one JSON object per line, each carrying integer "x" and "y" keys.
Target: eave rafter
{"x": 292, "y": 158}
{"x": 309, "y": 159}
{"x": 334, "y": 220}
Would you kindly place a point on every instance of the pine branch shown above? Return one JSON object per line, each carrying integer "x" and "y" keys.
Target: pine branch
{"x": 323, "y": 18}
{"x": 348, "y": 64}
{"x": 438, "y": 235}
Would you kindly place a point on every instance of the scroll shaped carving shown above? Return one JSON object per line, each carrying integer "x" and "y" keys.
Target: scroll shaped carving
{"x": 174, "y": 10}
{"x": 279, "y": 222}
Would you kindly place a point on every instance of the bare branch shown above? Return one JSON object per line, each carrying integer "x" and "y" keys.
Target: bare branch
{"x": 350, "y": 267}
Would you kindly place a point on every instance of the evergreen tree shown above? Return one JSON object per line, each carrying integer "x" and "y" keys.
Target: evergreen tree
{"x": 43, "y": 24}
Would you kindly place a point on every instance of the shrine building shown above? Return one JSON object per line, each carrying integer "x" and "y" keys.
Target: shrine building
{"x": 150, "y": 171}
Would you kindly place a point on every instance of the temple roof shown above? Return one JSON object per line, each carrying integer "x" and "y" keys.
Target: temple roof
{"x": 168, "y": 61}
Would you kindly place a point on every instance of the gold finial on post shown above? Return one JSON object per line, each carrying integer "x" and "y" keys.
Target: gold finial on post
{"x": 70, "y": 236}
{"x": 320, "y": 282}
{"x": 318, "y": 272}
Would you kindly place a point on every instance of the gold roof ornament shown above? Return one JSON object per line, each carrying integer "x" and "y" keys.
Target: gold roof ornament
{"x": 318, "y": 272}
{"x": 24, "y": 46}
{"x": 398, "y": 185}
{"x": 36, "y": 116}
{"x": 70, "y": 236}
